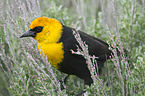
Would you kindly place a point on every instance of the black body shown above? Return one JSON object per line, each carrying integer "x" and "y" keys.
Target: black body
{"x": 74, "y": 64}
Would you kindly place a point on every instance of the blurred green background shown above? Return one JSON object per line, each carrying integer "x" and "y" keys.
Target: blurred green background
{"x": 121, "y": 23}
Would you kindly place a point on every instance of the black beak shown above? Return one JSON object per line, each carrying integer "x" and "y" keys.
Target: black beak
{"x": 28, "y": 33}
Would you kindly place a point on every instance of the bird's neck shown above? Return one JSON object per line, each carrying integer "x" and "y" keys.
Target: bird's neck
{"x": 53, "y": 52}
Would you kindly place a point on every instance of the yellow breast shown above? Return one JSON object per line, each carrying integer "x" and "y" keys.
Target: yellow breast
{"x": 53, "y": 52}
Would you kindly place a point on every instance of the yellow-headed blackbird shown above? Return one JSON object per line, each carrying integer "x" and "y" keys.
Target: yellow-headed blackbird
{"x": 56, "y": 41}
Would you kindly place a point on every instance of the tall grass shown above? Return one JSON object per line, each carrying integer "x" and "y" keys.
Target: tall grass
{"x": 121, "y": 23}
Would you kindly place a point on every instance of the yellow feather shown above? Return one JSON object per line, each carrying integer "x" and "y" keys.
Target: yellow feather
{"x": 53, "y": 52}
{"x": 48, "y": 38}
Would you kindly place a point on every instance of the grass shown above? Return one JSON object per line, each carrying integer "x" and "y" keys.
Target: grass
{"x": 121, "y": 23}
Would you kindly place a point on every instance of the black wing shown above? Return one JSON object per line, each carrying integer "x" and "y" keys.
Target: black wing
{"x": 96, "y": 46}
{"x": 76, "y": 64}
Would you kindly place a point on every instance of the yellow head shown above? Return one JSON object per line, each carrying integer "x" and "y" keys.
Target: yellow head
{"x": 45, "y": 29}
{"x": 48, "y": 32}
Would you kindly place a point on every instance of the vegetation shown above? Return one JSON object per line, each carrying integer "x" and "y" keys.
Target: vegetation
{"x": 121, "y": 23}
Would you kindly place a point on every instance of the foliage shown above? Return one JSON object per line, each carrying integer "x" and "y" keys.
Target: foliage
{"x": 121, "y": 23}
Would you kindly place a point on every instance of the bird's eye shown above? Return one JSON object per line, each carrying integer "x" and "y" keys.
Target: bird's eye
{"x": 38, "y": 29}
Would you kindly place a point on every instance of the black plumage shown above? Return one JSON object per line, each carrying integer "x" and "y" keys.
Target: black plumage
{"x": 74, "y": 64}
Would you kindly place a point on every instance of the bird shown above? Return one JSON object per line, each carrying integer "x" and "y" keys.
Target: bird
{"x": 56, "y": 41}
